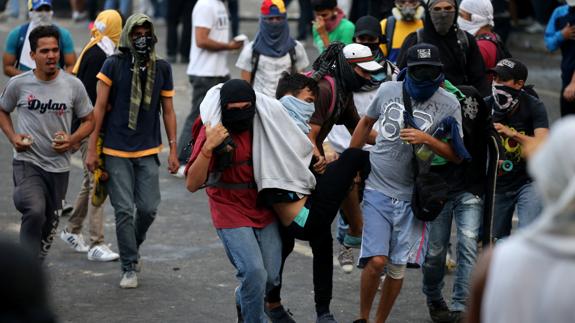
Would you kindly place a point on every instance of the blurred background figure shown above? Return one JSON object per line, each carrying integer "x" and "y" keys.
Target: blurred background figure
{"x": 179, "y": 12}
{"x": 305, "y": 18}
{"x": 23, "y": 296}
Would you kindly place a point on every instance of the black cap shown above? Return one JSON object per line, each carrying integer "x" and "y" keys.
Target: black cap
{"x": 368, "y": 25}
{"x": 510, "y": 69}
{"x": 423, "y": 54}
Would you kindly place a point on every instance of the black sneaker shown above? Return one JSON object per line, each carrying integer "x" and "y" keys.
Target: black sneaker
{"x": 360, "y": 321}
{"x": 279, "y": 315}
{"x": 239, "y": 311}
{"x": 439, "y": 312}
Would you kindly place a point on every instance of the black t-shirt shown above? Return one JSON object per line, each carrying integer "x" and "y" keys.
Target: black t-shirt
{"x": 528, "y": 116}
{"x": 90, "y": 65}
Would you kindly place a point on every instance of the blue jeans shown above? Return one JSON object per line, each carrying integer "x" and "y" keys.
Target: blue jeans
{"x": 341, "y": 228}
{"x": 527, "y": 202}
{"x": 134, "y": 191}
{"x": 125, "y": 6}
{"x": 467, "y": 210}
{"x": 257, "y": 255}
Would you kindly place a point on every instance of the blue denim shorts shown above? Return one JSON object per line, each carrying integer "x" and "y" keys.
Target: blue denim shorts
{"x": 391, "y": 230}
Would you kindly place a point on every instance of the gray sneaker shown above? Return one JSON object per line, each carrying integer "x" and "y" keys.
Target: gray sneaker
{"x": 279, "y": 315}
{"x": 345, "y": 259}
{"x": 326, "y": 318}
{"x": 129, "y": 280}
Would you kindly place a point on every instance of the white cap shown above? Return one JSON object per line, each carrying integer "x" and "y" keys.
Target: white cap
{"x": 361, "y": 56}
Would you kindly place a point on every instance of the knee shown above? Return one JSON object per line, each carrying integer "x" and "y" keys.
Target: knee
{"x": 256, "y": 277}
{"x": 376, "y": 264}
{"x": 396, "y": 272}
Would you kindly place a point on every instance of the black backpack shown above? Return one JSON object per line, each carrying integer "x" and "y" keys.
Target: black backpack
{"x": 502, "y": 51}
{"x": 256, "y": 61}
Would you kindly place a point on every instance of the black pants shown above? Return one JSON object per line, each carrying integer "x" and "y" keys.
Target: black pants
{"x": 331, "y": 189}
{"x": 305, "y": 18}
{"x": 38, "y": 195}
{"x": 179, "y": 12}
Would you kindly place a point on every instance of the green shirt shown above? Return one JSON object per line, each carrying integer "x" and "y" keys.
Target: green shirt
{"x": 342, "y": 33}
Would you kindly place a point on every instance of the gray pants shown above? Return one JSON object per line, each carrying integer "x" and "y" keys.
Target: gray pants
{"x": 200, "y": 86}
{"x": 134, "y": 191}
{"x": 38, "y": 195}
{"x": 83, "y": 207}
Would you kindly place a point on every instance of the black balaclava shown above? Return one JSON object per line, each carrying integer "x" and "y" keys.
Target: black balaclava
{"x": 369, "y": 25}
{"x": 237, "y": 120}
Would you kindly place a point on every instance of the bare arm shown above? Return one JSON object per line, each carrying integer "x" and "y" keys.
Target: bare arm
{"x": 103, "y": 92}
{"x": 362, "y": 132}
{"x": 478, "y": 282}
{"x": 204, "y": 41}
{"x": 246, "y": 76}
{"x": 8, "y": 61}
{"x": 319, "y": 160}
{"x": 170, "y": 124}
{"x": 539, "y": 133}
{"x": 198, "y": 171}
{"x": 69, "y": 62}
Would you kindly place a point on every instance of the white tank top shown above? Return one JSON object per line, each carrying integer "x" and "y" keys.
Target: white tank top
{"x": 527, "y": 283}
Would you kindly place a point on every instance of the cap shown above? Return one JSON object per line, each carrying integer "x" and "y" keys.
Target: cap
{"x": 35, "y": 4}
{"x": 423, "y": 54}
{"x": 368, "y": 25}
{"x": 510, "y": 69}
{"x": 273, "y": 8}
{"x": 361, "y": 55}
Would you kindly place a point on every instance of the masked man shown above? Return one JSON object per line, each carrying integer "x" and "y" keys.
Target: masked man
{"x": 139, "y": 88}
{"x": 407, "y": 17}
{"x": 17, "y": 58}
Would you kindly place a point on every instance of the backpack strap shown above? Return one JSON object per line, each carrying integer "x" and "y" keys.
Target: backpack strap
{"x": 20, "y": 44}
{"x": 419, "y": 33}
{"x": 255, "y": 63}
{"x": 389, "y": 33}
{"x": 463, "y": 43}
{"x": 331, "y": 82}
{"x": 293, "y": 61}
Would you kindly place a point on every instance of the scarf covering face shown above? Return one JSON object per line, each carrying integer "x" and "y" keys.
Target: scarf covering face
{"x": 237, "y": 120}
{"x": 300, "y": 111}
{"x": 553, "y": 170}
{"x": 481, "y": 15}
{"x": 137, "y": 98}
{"x": 108, "y": 24}
{"x": 505, "y": 98}
{"x": 333, "y": 22}
{"x": 273, "y": 39}
{"x": 441, "y": 22}
{"x": 420, "y": 91}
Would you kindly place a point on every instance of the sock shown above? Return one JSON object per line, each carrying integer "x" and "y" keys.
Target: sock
{"x": 301, "y": 217}
{"x": 351, "y": 241}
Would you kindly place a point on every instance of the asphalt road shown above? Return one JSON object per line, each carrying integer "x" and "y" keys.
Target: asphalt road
{"x": 187, "y": 276}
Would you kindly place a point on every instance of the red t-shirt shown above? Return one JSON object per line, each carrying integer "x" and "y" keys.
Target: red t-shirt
{"x": 489, "y": 51}
{"x": 235, "y": 208}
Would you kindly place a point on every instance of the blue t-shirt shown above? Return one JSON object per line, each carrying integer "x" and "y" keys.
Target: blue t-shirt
{"x": 554, "y": 39}
{"x": 12, "y": 44}
{"x": 119, "y": 139}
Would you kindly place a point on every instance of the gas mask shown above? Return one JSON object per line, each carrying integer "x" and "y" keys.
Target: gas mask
{"x": 143, "y": 46}
{"x": 407, "y": 12}
{"x": 41, "y": 18}
{"x": 442, "y": 21}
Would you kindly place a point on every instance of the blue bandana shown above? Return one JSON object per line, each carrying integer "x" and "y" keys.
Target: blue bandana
{"x": 420, "y": 91}
{"x": 273, "y": 39}
{"x": 300, "y": 111}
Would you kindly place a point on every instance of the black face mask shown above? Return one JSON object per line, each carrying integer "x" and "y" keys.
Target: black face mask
{"x": 143, "y": 46}
{"x": 505, "y": 97}
{"x": 238, "y": 120}
{"x": 424, "y": 72}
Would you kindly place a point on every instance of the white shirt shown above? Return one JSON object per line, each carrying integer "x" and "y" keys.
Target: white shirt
{"x": 271, "y": 68}
{"x": 211, "y": 14}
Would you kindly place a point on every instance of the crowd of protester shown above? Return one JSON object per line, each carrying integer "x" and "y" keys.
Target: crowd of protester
{"x": 414, "y": 118}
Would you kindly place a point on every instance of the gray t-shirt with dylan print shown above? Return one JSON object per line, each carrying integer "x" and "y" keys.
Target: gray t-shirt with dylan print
{"x": 44, "y": 108}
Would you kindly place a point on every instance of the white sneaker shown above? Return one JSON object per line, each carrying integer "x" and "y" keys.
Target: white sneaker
{"x": 129, "y": 280}
{"x": 181, "y": 172}
{"x": 102, "y": 253}
{"x": 74, "y": 241}
{"x": 345, "y": 258}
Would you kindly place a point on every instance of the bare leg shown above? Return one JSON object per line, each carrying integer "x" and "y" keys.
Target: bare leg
{"x": 389, "y": 293}
{"x": 369, "y": 282}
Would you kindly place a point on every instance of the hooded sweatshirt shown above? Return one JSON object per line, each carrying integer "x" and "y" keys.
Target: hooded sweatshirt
{"x": 458, "y": 71}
